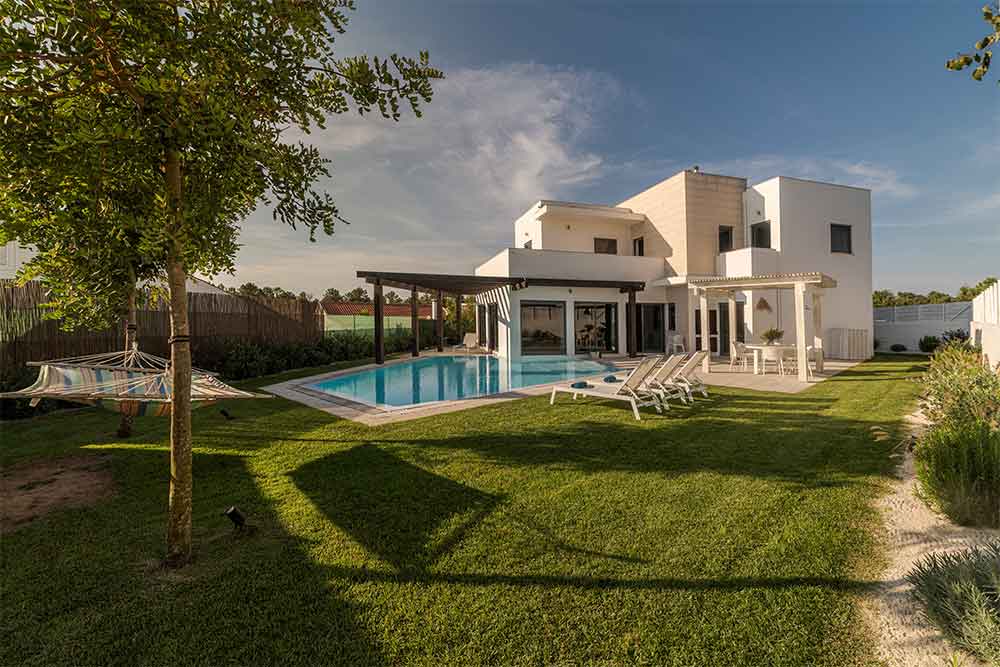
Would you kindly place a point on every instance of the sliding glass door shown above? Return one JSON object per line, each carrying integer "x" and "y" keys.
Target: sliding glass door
{"x": 595, "y": 327}
{"x": 543, "y": 327}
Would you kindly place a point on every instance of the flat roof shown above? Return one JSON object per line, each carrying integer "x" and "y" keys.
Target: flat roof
{"x": 471, "y": 284}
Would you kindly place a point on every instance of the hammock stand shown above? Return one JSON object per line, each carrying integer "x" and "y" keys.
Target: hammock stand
{"x": 132, "y": 383}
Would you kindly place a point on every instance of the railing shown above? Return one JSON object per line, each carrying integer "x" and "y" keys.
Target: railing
{"x": 959, "y": 312}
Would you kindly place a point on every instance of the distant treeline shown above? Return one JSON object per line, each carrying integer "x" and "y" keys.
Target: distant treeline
{"x": 884, "y": 297}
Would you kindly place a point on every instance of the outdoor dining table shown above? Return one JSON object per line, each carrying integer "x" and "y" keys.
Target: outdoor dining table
{"x": 758, "y": 349}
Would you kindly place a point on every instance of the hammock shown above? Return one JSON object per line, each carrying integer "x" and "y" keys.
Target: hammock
{"x": 133, "y": 383}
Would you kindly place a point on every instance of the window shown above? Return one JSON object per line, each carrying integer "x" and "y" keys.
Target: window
{"x": 840, "y": 238}
{"x": 543, "y": 327}
{"x": 596, "y": 326}
{"x": 672, "y": 316}
{"x": 725, "y": 238}
{"x": 760, "y": 234}
{"x": 481, "y": 325}
{"x": 606, "y": 246}
{"x": 527, "y": 245}
{"x": 639, "y": 247}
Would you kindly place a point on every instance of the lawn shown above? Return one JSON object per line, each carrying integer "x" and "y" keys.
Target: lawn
{"x": 740, "y": 531}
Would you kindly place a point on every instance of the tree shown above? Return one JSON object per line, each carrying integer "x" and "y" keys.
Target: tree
{"x": 333, "y": 294}
{"x": 196, "y": 97}
{"x": 358, "y": 295}
{"x": 982, "y": 55}
{"x": 882, "y": 298}
{"x": 392, "y": 297}
{"x": 966, "y": 293}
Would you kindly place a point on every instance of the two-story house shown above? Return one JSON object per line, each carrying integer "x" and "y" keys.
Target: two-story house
{"x": 756, "y": 257}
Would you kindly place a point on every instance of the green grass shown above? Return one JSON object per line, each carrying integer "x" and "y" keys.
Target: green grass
{"x": 740, "y": 531}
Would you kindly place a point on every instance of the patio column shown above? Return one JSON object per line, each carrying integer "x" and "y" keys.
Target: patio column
{"x": 415, "y": 321}
{"x": 818, "y": 328}
{"x": 379, "y": 325}
{"x": 632, "y": 338}
{"x": 458, "y": 318}
{"x": 692, "y": 299}
{"x": 705, "y": 343}
{"x": 440, "y": 321}
{"x": 800, "y": 331}
{"x": 732, "y": 323}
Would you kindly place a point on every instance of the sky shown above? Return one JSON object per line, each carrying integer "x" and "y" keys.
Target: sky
{"x": 595, "y": 101}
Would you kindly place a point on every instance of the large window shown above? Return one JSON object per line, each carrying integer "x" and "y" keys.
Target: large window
{"x": 725, "y": 238}
{"x": 840, "y": 238}
{"x": 760, "y": 234}
{"x": 543, "y": 327}
{"x": 606, "y": 246}
{"x": 595, "y": 327}
{"x": 639, "y": 247}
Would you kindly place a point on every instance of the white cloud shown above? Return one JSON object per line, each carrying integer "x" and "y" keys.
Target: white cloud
{"x": 440, "y": 192}
{"x": 880, "y": 179}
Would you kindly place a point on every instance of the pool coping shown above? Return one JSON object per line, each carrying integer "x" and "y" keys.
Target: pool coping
{"x": 296, "y": 390}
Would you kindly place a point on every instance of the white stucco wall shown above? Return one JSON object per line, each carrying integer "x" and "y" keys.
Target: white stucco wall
{"x": 12, "y": 257}
{"x": 578, "y": 233}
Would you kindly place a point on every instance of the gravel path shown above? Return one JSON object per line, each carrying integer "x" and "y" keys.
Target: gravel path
{"x": 913, "y": 531}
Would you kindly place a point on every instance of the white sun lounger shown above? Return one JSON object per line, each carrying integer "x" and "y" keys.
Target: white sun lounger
{"x": 632, "y": 390}
{"x": 661, "y": 383}
{"x": 687, "y": 379}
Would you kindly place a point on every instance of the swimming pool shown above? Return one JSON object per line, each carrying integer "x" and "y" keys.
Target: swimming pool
{"x": 449, "y": 378}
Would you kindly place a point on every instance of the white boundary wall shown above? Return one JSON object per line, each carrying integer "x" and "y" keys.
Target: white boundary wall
{"x": 985, "y": 326}
{"x": 906, "y": 325}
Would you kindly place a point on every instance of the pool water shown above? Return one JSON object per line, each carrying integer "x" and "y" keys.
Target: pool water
{"x": 449, "y": 378}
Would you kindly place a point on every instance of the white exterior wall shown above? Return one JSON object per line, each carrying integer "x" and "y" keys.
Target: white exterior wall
{"x": 801, "y": 213}
{"x": 577, "y": 234}
{"x": 12, "y": 257}
{"x": 528, "y": 228}
{"x": 985, "y": 327}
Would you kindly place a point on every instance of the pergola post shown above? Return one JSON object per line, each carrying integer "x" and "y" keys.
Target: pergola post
{"x": 800, "y": 331}
{"x": 692, "y": 332}
{"x": 379, "y": 325}
{"x": 458, "y": 318}
{"x": 706, "y": 365}
{"x": 440, "y": 321}
{"x": 633, "y": 347}
{"x": 817, "y": 304}
{"x": 732, "y": 323}
{"x": 415, "y": 321}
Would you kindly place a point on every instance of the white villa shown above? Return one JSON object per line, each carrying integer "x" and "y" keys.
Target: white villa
{"x": 696, "y": 253}
{"x": 691, "y": 242}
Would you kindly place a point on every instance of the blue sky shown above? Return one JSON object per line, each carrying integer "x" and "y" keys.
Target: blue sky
{"x": 594, "y": 101}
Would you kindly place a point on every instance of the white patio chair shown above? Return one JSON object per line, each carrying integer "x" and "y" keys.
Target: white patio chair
{"x": 775, "y": 355}
{"x": 676, "y": 344}
{"x": 469, "y": 342}
{"x": 791, "y": 362}
{"x": 738, "y": 356}
{"x": 632, "y": 390}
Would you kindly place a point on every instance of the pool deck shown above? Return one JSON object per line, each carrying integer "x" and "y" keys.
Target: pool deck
{"x": 298, "y": 391}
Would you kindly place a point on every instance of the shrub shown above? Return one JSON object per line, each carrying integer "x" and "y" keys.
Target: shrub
{"x": 955, "y": 335}
{"x": 960, "y": 594}
{"x": 875, "y": 343}
{"x": 897, "y": 347}
{"x": 771, "y": 335}
{"x": 959, "y": 388}
{"x": 958, "y": 472}
{"x": 929, "y": 343}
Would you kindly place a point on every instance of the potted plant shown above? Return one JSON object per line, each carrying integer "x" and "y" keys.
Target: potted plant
{"x": 772, "y": 336}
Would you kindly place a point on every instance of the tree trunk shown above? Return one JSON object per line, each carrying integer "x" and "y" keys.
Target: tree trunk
{"x": 125, "y": 425}
{"x": 179, "y": 514}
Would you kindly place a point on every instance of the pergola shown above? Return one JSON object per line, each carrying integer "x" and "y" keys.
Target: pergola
{"x": 802, "y": 285}
{"x": 439, "y": 284}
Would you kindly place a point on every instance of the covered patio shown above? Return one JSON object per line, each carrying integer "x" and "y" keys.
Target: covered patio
{"x": 439, "y": 285}
{"x": 806, "y": 287}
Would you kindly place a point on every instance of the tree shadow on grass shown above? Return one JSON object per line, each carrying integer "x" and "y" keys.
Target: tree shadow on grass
{"x": 85, "y": 588}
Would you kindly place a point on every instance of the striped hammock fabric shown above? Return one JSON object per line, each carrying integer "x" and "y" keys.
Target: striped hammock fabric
{"x": 133, "y": 383}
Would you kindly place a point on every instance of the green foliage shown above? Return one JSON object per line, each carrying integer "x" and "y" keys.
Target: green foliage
{"x": 333, "y": 294}
{"x": 884, "y": 297}
{"x": 955, "y": 335}
{"x": 959, "y": 389}
{"x": 252, "y": 290}
{"x": 982, "y": 55}
{"x": 929, "y": 343}
{"x": 897, "y": 347}
{"x": 392, "y": 298}
{"x": 771, "y": 335}
{"x": 357, "y": 295}
{"x": 958, "y": 472}
{"x": 960, "y": 594}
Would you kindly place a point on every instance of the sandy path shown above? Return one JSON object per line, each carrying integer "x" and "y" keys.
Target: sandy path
{"x": 913, "y": 531}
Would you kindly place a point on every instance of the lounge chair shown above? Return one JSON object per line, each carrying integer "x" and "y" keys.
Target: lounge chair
{"x": 687, "y": 379}
{"x": 632, "y": 390}
{"x": 661, "y": 382}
